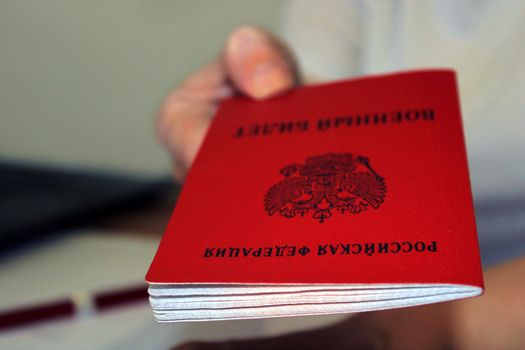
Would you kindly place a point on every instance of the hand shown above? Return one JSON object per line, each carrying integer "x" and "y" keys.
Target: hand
{"x": 253, "y": 62}
{"x": 412, "y": 328}
{"x": 494, "y": 321}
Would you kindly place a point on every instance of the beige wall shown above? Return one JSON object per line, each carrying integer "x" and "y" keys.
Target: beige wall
{"x": 80, "y": 80}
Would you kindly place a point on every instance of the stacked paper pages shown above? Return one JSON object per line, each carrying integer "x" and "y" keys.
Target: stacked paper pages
{"x": 228, "y": 302}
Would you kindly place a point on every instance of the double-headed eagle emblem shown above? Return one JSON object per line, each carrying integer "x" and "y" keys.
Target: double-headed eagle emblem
{"x": 334, "y": 181}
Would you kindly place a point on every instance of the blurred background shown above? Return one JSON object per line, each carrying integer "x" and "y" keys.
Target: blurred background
{"x": 86, "y": 191}
{"x": 81, "y": 81}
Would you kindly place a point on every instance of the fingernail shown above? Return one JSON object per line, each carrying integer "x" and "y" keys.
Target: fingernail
{"x": 270, "y": 79}
{"x": 258, "y": 67}
{"x": 243, "y": 39}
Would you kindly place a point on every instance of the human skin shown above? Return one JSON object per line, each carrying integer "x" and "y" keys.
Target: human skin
{"x": 253, "y": 63}
{"x": 258, "y": 65}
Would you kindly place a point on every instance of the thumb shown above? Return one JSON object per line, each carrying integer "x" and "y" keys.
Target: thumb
{"x": 258, "y": 64}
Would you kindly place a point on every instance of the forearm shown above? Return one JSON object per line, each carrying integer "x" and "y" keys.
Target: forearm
{"x": 497, "y": 319}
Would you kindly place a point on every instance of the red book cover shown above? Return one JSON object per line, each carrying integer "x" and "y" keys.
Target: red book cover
{"x": 356, "y": 182}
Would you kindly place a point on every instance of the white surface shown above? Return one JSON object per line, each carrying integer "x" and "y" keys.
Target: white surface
{"x": 74, "y": 264}
{"x": 134, "y": 328}
{"x": 92, "y": 260}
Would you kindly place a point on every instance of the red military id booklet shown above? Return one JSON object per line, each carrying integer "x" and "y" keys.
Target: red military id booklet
{"x": 341, "y": 197}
